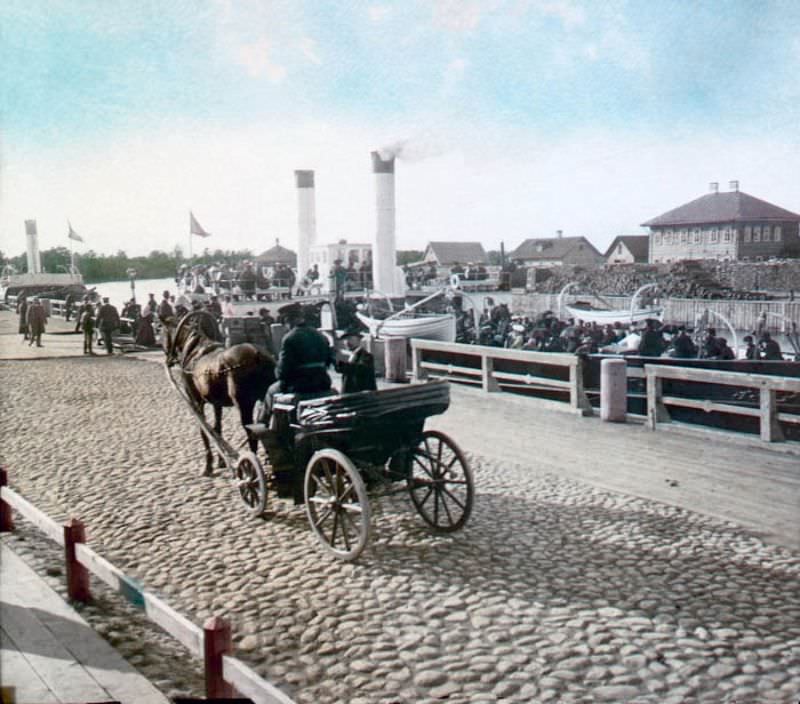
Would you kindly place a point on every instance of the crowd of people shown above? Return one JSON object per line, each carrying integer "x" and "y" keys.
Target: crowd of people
{"x": 547, "y": 333}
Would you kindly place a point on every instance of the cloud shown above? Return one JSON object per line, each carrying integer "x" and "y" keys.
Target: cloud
{"x": 308, "y": 47}
{"x": 257, "y": 62}
{"x": 454, "y": 74}
{"x": 568, "y": 12}
{"x": 379, "y": 13}
{"x": 462, "y": 16}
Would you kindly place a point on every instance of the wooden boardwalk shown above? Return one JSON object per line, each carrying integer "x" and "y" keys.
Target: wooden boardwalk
{"x": 49, "y": 654}
{"x": 711, "y": 472}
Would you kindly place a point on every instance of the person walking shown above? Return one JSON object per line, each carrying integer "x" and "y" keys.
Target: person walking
{"x": 22, "y": 310}
{"x": 87, "y": 323}
{"x": 37, "y": 319}
{"x": 107, "y": 322}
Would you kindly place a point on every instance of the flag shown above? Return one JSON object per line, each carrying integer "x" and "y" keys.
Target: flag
{"x": 195, "y": 228}
{"x": 30, "y": 227}
{"x": 72, "y": 234}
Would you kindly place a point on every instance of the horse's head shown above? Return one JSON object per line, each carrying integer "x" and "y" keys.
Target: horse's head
{"x": 192, "y": 327}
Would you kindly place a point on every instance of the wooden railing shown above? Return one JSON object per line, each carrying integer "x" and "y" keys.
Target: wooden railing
{"x": 224, "y": 674}
{"x": 768, "y": 386}
{"x": 544, "y": 371}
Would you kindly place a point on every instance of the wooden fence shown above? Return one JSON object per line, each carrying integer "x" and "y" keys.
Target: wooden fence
{"x": 768, "y": 386}
{"x": 495, "y": 368}
{"x": 224, "y": 674}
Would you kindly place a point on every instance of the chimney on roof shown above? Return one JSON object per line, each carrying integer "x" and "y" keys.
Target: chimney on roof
{"x": 714, "y": 186}
{"x": 559, "y": 233}
{"x": 733, "y": 185}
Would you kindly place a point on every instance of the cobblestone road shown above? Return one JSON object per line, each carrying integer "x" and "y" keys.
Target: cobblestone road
{"x": 556, "y": 591}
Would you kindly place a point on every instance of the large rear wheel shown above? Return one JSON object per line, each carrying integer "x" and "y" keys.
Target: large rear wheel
{"x": 251, "y": 482}
{"x": 440, "y": 482}
{"x": 337, "y": 504}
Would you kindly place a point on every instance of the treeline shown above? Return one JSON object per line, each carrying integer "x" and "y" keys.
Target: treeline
{"x": 100, "y": 267}
{"x": 157, "y": 265}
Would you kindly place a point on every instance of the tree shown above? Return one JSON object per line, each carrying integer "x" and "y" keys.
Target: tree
{"x": 407, "y": 256}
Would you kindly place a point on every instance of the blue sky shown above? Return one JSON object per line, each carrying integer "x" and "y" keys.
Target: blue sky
{"x": 520, "y": 116}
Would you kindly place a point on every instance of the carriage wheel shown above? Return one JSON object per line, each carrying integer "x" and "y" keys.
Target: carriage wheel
{"x": 440, "y": 482}
{"x": 336, "y": 504}
{"x": 250, "y": 480}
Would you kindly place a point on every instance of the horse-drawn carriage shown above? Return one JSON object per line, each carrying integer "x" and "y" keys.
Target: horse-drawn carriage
{"x": 332, "y": 452}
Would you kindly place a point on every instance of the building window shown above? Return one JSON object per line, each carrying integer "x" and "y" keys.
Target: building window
{"x": 777, "y": 232}
{"x": 684, "y": 236}
{"x": 657, "y": 237}
{"x": 715, "y": 235}
{"x": 698, "y": 236}
{"x": 767, "y": 234}
{"x": 748, "y": 233}
{"x": 727, "y": 234}
{"x": 756, "y": 234}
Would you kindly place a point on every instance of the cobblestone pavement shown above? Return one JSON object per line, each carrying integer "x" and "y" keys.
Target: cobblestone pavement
{"x": 555, "y": 591}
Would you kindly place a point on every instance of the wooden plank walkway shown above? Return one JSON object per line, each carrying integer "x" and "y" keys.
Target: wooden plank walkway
{"x": 710, "y": 472}
{"x": 49, "y": 654}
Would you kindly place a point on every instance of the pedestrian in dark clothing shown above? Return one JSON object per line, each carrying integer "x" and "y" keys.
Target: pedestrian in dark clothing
{"x": 652, "y": 341}
{"x": 107, "y": 322}
{"x": 750, "y": 350}
{"x": 87, "y": 322}
{"x": 22, "y": 310}
{"x": 768, "y": 348}
{"x": 69, "y": 305}
{"x": 358, "y": 371}
{"x": 165, "y": 311}
{"x": 682, "y": 345}
{"x": 710, "y": 349}
{"x": 725, "y": 352}
{"x": 86, "y": 305}
{"x": 37, "y": 319}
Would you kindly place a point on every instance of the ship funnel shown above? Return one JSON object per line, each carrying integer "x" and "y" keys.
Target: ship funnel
{"x": 34, "y": 258}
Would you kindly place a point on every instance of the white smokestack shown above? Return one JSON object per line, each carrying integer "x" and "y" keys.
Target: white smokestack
{"x": 306, "y": 219}
{"x": 34, "y": 260}
{"x": 384, "y": 253}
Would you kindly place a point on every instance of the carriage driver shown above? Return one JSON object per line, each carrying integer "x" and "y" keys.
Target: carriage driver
{"x": 302, "y": 363}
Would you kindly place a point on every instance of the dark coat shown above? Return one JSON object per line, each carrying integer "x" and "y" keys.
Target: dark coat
{"x": 37, "y": 318}
{"x": 651, "y": 344}
{"x": 358, "y": 373}
{"x": 107, "y": 317}
{"x": 303, "y": 361}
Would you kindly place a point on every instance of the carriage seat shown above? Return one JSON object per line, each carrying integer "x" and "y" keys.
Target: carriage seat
{"x": 290, "y": 401}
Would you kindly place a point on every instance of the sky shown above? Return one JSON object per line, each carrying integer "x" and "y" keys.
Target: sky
{"x": 515, "y": 118}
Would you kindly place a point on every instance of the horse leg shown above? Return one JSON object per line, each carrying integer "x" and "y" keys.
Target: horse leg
{"x": 209, "y": 455}
{"x": 218, "y": 430}
{"x": 246, "y": 414}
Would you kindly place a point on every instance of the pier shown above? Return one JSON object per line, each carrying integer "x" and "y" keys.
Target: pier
{"x": 603, "y": 561}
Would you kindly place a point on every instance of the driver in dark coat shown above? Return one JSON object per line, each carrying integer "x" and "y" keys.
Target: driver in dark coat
{"x": 302, "y": 363}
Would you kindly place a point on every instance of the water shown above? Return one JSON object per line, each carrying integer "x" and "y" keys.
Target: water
{"x": 119, "y": 292}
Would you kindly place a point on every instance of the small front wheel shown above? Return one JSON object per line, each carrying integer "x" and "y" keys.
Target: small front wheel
{"x": 337, "y": 505}
{"x": 440, "y": 482}
{"x": 251, "y": 482}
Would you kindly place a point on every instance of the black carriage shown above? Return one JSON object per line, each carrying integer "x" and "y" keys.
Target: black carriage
{"x": 332, "y": 453}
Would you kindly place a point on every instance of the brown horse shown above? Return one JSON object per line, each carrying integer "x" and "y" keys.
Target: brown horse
{"x": 238, "y": 376}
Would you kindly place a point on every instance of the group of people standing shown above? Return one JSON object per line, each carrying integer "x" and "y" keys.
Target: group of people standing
{"x": 32, "y": 320}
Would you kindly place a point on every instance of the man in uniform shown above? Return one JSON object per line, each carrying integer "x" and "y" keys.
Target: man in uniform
{"x": 302, "y": 363}
{"x": 107, "y": 322}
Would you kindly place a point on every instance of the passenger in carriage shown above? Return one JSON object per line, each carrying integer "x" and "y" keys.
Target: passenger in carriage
{"x": 750, "y": 350}
{"x": 358, "y": 371}
{"x": 303, "y": 363}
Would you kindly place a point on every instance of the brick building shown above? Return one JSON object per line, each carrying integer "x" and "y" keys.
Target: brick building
{"x": 731, "y": 225}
